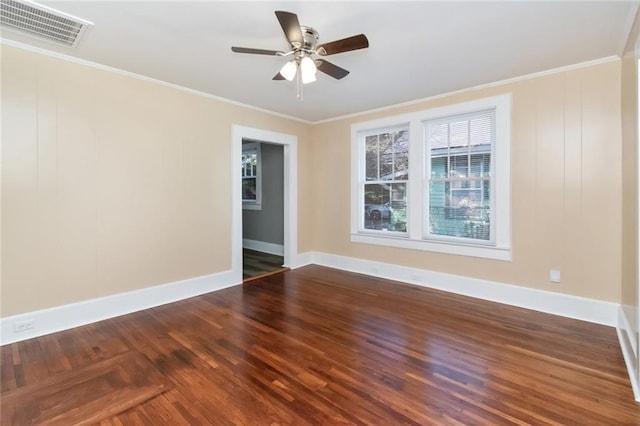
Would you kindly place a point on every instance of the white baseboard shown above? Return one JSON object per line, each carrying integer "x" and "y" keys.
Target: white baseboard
{"x": 302, "y": 259}
{"x": 565, "y": 305}
{"x": 60, "y": 318}
{"x": 64, "y": 317}
{"x": 627, "y": 339}
{"x": 627, "y": 318}
{"x": 261, "y": 246}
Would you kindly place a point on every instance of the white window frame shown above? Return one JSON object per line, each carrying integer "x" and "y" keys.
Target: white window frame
{"x": 417, "y": 200}
{"x": 257, "y": 203}
{"x": 427, "y": 180}
{"x": 362, "y": 180}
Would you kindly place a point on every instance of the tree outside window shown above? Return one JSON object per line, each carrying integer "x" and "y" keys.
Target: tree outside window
{"x": 457, "y": 197}
{"x": 385, "y": 180}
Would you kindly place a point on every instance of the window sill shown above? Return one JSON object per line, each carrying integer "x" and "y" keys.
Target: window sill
{"x": 251, "y": 206}
{"x": 486, "y": 252}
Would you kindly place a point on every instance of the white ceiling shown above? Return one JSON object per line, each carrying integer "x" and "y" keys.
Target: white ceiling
{"x": 417, "y": 49}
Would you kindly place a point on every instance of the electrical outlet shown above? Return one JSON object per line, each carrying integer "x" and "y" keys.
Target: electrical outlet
{"x": 554, "y": 276}
{"x": 23, "y": 325}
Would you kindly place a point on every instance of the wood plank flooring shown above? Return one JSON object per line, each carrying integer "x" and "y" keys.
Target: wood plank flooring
{"x": 256, "y": 263}
{"x": 320, "y": 346}
{"x": 98, "y": 391}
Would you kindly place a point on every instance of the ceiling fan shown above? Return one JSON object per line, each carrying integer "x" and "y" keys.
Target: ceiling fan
{"x": 303, "y": 48}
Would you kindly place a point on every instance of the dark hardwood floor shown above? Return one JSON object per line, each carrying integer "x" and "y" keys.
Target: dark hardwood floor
{"x": 320, "y": 346}
{"x": 256, "y": 263}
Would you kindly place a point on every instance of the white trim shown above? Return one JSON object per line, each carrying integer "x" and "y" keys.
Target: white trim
{"x": 64, "y": 317}
{"x": 565, "y": 305}
{"x": 118, "y": 71}
{"x": 262, "y": 246}
{"x": 539, "y": 74}
{"x": 634, "y": 367}
{"x": 627, "y": 345}
{"x": 416, "y": 237}
{"x": 290, "y": 155}
{"x": 68, "y": 58}
{"x": 257, "y": 203}
{"x": 303, "y": 259}
{"x": 51, "y": 320}
{"x": 625, "y": 326}
{"x": 247, "y": 205}
{"x": 485, "y": 252}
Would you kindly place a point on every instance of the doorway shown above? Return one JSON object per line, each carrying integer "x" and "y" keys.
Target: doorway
{"x": 262, "y": 209}
{"x": 288, "y": 144}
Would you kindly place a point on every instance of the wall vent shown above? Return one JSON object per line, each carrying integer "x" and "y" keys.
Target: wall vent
{"x": 42, "y": 22}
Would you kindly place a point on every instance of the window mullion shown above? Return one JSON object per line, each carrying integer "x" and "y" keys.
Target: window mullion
{"x": 468, "y": 149}
{"x": 448, "y": 193}
{"x": 430, "y": 181}
{"x": 415, "y": 186}
{"x": 378, "y": 157}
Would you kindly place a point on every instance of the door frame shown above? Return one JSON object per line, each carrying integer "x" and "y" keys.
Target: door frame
{"x": 290, "y": 152}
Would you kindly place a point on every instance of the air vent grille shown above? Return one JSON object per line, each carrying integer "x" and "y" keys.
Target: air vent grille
{"x": 42, "y": 22}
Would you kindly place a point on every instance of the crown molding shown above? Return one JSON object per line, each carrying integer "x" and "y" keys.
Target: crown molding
{"x": 552, "y": 71}
{"x": 73, "y": 59}
{"x": 61, "y": 56}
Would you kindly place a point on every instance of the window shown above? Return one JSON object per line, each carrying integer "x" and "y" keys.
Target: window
{"x": 251, "y": 176}
{"x": 458, "y": 176}
{"x": 456, "y": 198}
{"x": 384, "y": 183}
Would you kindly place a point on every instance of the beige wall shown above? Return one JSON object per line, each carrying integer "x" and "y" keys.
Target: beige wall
{"x": 630, "y": 180}
{"x": 111, "y": 184}
{"x": 566, "y": 187}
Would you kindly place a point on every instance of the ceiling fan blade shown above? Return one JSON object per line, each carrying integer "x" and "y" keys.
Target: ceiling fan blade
{"x": 256, "y": 51}
{"x": 355, "y": 42}
{"x": 291, "y": 27}
{"x": 278, "y": 77}
{"x": 331, "y": 69}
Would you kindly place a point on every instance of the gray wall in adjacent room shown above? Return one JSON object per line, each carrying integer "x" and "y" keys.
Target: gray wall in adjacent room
{"x": 267, "y": 225}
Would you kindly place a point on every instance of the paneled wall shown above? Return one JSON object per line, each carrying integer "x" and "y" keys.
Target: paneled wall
{"x": 629, "y": 261}
{"x": 566, "y": 186}
{"x": 112, "y": 184}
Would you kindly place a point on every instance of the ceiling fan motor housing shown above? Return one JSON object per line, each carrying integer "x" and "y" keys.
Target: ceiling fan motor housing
{"x": 310, "y": 37}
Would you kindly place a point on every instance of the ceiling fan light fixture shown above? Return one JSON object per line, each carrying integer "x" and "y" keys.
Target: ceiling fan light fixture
{"x": 303, "y": 48}
{"x": 308, "y": 70}
{"x": 308, "y": 79}
{"x": 288, "y": 70}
